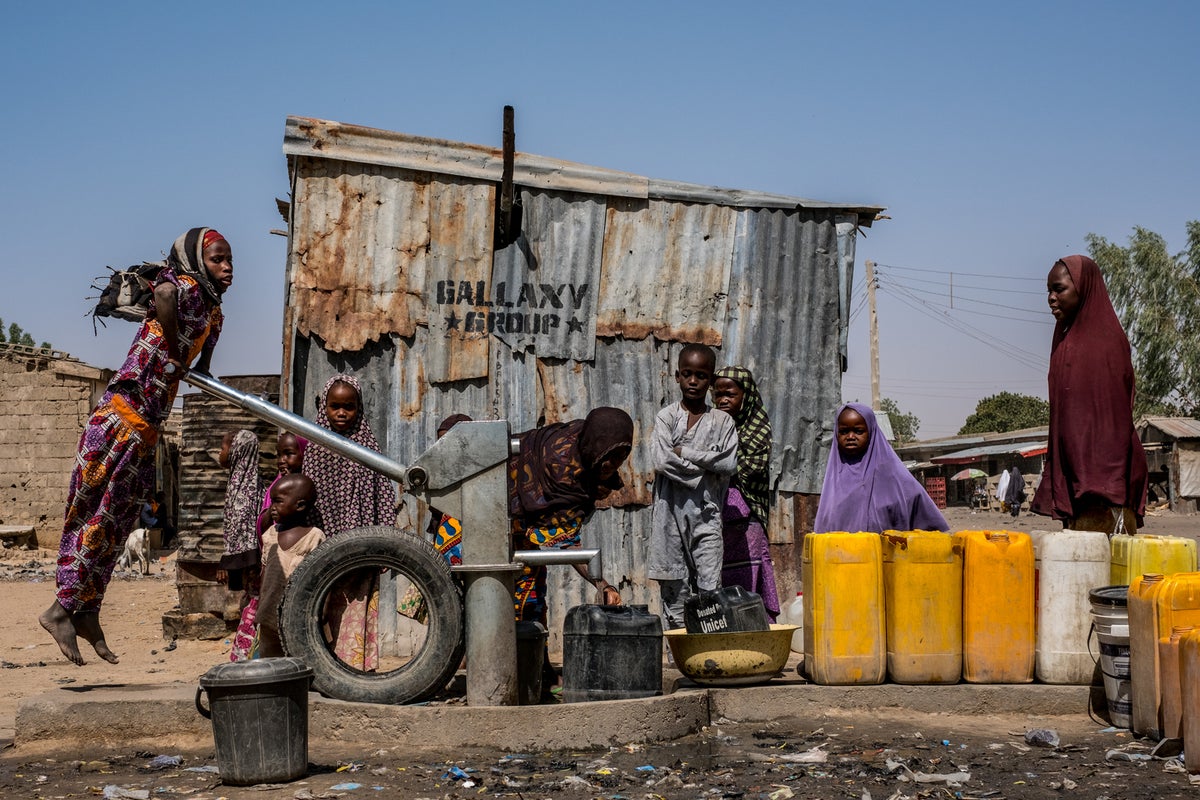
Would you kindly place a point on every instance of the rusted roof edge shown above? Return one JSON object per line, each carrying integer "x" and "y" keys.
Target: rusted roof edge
{"x": 316, "y": 138}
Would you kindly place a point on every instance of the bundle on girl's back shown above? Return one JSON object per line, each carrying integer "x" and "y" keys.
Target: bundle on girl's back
{"x": 725, "y": 611}
{"x": 126, "y": 293}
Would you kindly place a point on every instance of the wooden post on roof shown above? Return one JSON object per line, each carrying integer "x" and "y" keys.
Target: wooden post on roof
{"x": 874, "y": 325}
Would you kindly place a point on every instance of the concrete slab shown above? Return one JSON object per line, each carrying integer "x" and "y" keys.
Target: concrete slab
{"x": 156, "y": 717}
{"x": 784, "y": 700}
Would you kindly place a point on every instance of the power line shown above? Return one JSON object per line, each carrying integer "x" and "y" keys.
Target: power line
{"x": 989, "y": 275}
{"x": 1009, "y": 351}
{"x": 1041, "y": 318}
{"x": 970, "y": 286}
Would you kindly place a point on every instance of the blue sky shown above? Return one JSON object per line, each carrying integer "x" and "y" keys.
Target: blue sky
{"x": 997, "y": 135}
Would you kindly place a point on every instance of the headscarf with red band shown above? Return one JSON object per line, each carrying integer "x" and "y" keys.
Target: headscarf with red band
{"x": 187, "y": 258}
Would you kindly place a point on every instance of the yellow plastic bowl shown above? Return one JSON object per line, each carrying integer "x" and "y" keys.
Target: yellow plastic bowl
{"x": 731, "y": 659}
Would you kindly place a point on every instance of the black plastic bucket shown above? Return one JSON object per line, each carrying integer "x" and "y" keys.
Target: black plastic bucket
{"x": 611, "y": 653}
{"x": 259, "y": 713}
{"x": 531, "y": 650}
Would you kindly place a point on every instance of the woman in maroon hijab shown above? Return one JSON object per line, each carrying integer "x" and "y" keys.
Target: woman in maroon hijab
{"x": 1095, "y": 473}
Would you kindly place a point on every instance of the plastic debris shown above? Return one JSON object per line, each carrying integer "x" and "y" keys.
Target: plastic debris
{"x": 814, "y": 756}
{"x": 345, "y": 787}
{"x": 645, "y": 768}
{"x": 114, "y": 792}
{"x": 165, "y": 762}
{"x": 906, "y": 774}
{"x": 782, "y": 793}
{"x": 457, "y": 774}
{"x": 205, "y": 768}
{"x": 1121, "y": 755}
{"x": 1042, "y": 737}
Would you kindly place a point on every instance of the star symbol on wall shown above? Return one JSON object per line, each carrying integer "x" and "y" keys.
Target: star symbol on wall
{"x": 452, "y": 322}
{"x": 574, "y": 325}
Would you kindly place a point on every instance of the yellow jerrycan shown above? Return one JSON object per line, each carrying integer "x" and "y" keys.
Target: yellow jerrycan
{"x": 843, "y": 609}
{"x": 998, "y": 606}
{"x": 922, "y": 599}
{"x": 1143, "y": 553}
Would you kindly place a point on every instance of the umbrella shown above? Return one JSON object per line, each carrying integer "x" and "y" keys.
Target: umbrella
{"x": 967, "y": 474}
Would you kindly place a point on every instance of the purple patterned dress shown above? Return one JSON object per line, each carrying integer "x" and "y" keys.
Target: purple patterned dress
{"x": 114, "y": 467}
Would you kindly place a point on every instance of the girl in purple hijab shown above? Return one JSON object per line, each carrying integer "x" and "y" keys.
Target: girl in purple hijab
{"x": 866, "y": 486}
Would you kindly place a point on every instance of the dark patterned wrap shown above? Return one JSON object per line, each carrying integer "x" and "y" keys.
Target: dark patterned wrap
{"x": 349, "y": 495}
{"x": 555, "y": 475}
{"x": 753, "y": 476}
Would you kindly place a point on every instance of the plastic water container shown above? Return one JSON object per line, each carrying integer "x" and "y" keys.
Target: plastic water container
{"x": 1143, "y": 653}
{"x": 531, "y": 654}
{"x": 1068, "y": 565}
{"x": 259, "y": 713}
{"x": 844, "y": 627}
{"x": 1170, "y": 718}
{"x": 998, "y": 606}
{"x": 793, "y": 614}
{"x": 611, "y": 653}
{"x": 922, "y": 598}
{"x": 1110, "y": 618}
{"x": 1189, "y": 681}
{"x": 1143, "y": 553}
{"x": 1178, "y": 602}
{"x": 730, "y": 609}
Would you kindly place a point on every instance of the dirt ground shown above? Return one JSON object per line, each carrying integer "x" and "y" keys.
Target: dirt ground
{"x": 858, "y": 755}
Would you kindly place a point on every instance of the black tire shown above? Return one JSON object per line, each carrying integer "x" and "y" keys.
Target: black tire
{"x": 300, "y": 624}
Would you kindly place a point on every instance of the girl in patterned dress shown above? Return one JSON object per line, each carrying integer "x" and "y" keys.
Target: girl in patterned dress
{"x": 349, "y": 496}
{"x": 114, "y": 467}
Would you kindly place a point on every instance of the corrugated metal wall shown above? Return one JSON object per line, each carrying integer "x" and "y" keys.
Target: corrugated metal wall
{"x": 392, "y": 278}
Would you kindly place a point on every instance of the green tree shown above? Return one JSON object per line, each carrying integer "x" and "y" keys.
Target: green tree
{"x": 904, "y": 426}
{"x": 16, "y": 335}
{"x": 1007, "y": 411}
{"x": 1157, "y": 297}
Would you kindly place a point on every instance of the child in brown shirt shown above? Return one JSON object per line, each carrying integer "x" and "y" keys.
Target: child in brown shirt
{"x": 284, "y": 546}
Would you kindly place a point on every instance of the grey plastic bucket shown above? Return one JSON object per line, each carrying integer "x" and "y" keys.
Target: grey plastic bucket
{"x": 1110, "y": 621}
{"x": 259, "y": 713}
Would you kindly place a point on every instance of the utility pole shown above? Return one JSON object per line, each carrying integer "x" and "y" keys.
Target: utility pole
{"x": 874, "y": 322}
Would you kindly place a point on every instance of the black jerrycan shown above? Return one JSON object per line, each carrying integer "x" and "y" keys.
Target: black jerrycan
{"x": 726, "y": 610}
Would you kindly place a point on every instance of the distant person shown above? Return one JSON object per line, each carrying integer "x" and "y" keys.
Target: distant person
{"x": 241, "y": 562}
{"x": 243, "y": 496}
{"x": 350, "y": 496}
{"x": 284, "y": 546}
{"x": 867, "y": 487}
{"x": 1095, "y": 475}
{"x": 747, "y": 551}
{"x": 694, "y": 450}
{"x": 1015, "y": 492}
{"x": 114, "y": 468}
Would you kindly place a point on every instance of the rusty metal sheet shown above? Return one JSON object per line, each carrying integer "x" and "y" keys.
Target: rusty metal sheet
{"x": 666, "y": 270}
{"x": 784, "y": 325}
{"x": 372, "y": 245}
{"x": 304, "y": 136}
{"x": 544, "y": 286}
{"x": 459, "y": 264}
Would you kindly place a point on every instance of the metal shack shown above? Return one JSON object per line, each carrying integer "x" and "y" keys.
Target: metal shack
{"x": 393, "y": 275}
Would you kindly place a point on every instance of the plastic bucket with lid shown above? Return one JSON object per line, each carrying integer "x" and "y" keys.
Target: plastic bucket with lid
{"x": 259, "y": 713}
{"x": 1110, "y": 621}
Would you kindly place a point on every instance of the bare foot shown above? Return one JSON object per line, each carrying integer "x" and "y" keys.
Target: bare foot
{"x": 87, "y": 624}
{"x": 57, "y": 622}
